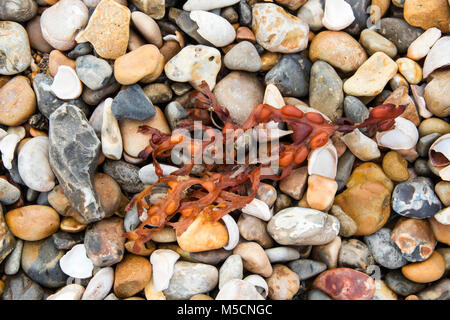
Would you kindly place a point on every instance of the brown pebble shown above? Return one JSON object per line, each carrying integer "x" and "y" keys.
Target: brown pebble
{"x": 56, "y": 59}
{"x": 426, "y": 271}
{"x": 132, "y": 275}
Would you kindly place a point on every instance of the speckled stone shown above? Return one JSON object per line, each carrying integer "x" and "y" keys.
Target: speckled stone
{"x": 383, "y": 251}
{"x": 415, "y": 198}
{"x": 355, "y": 254}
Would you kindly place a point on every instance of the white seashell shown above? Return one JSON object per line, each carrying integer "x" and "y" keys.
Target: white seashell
{"x": 163, "y": 262}
{"x": 441, "y": 145}
{"x": 236, "y": 289}
{"x": 69, "y": 292}
{"x": 233, "y": 232}
{"x": 259, "y": 209}
{"x": 147, "y": 174}
{"x": 259, "y": 283}
{"x": 66, "y": 84}
{"x": 207, "y": 4}
{"x": 338, "y": 15}
{"x": 281, "y": 254}
{"x": 100, "y": 285}
{"x": 110, "y": 135}
{"x": 213, "y": 28}
{"x": 18, "y": 131}
{"x": 273, "y": 97}
{"x": 323, "y": 161}
{"x": 7, "y": 148}
{"x": 34, "y": 166}
{"x": 76, "y": 264}
{"x": 418, "y": 94}
{"x": 443, "y": 216}
{"x": 403, "y": 135}
{"x": 437, "y": 57}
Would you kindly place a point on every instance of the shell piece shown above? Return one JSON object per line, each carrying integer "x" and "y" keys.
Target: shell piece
{"x": 338, "y": 15}
{"x": 34, "y": 166}
{"x": 112, "y": 146}
{"x": 163, "y": 262}
{"x": 76, "y": 264}
{"x": 323, "y": 161}
{"x": 100, "y": 285}
{"x": 418, "y": 94}
{"x": 439, "y": 152}
{"x": 7, "y": 147}
{"x": 213, "y": 28}
{"x": 207, "y": 4}
{"x": 273, "y": 97}
{"x": 403, "y": 135}
{"x": 66, "y": 84}
{"x": 438, "y": 56}
{"x": 259, "y": 283}
{"x": 233, "y": 232}
{"x": 147, "y": 174}
{"x": 259, "y": 209}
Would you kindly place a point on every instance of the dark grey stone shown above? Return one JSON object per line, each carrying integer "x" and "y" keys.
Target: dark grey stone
{"x": 422, "y": 169}
{"x": 132, "y": 103}
{"x": 291, "y": 75}
{"x": 425, "y": 142}
{"x": 438, "y": 291}
{"x": 344, "y": 168}
{"x": 46, "y": 101}
{"x": 93, "y": 72}
{"x": 399, "y": 32}
{"x": 384, "y": 253}
{"x": 21, "y": 287}
{"x": 306, "y": 268}
{"x": 65, "y": 241}
{"x": 80, "y": 49}
{"x": 182, "y": 19}
{"x": 245, "y": 14}
{"x": 415, "y": 198}
{"x": 355, "y": 110}
{"x": 360, "y": 12}
{"x": 125, "y": 174}
{"x": 400, "y": 285}
{"x": 213, "y": 257}
{"x": 94, "y": 97}
{"x": 18, "y": 10}
{"x": 74, "y": 150}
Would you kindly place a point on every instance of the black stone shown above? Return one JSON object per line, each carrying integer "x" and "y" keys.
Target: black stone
{"x": 291, "y": 75}
{"x": 80, "y": 49}
{"x": 125, "y": 174}
{"x": 132, "y": 103}
{"x": 65, "y": 241}
{"x": 245, "y": 14}
{"x": 182, "y": 19}
{"x": 399, "y": 32}
{"x": 74, "y": 151}
{"x": 39, "y": 122}
{"x": 359, "y": 8}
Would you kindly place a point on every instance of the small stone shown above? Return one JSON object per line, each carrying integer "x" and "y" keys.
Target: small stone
{"x": 312, "y": 13}
{"x": 281, "y": 254}
{"x": 232, "y": 268}
{"x": 40, "y": 261}
{"x": 17, "y": 101}
{"x": 154, "y": 8}
{"x": 399, "y": 32}
{"x": 254, "y": 258}
{"x": 251, "y": 93}
{"x": 111, "y": 138}
{"x": 195, "y": 64}
{"x": 321, "y": 191}
{"x": 229, "y": 14}
{"x": 66, "y": 241}
{"x": 278, "y": 31}
{"x": 436, "y": 102}
{"x": 267, "y": 194}
{"x": 290, "y": 75}
{"x": 427, "y": 14}
{"x": 440, "y": 231}
{"x": 400, "y": 285}
{"x": 94, "y": 97}
{"x": 100, "y": 285}
{"x": 80, "y": 49}
{"x": 207, "y": 5}
{"x": 348, "y": 227}
{"x": 345, "y": 284}
{"x": 303, "y": 226}
{"x": 315, "y": 294}
{"x": 138, "y": 65}
{"x": 76, "y": 264}
{"x": 147, "y": 27}
{"x": 415, "y": 198}
{"x": 371, "y": 76}
{"x": 125, "y": 174}
{"x": 203, "y": 235}
{"x": 395, "y": 166}
{"x": 295, "y": 184}
{"x": 360, "y": 12}
{"x": 158, "y": 93}
{"x": 128, "y": 282}
{"x": 33, "y": 222}
{"x": 433, "y": 125}
{"x": 384, "y": 253}
{"x": 21, "y": 287}
{"x": 104, "y": 242}
{"x": 7, "y": 240}
{"x": 15, "y": 48}
{"x": 132, "y": 103}
{"x": 93, "y": 72}
{"x": 18, "y": 10}
{"x": 442, "y": 189}
{"x": 12, "y": 263}
{"x": 108, "y": 191}
{"x": 66, "y": 85}
{"x": 69, "y": 292}
{"x": 75, "y": 175}
{"x": 410, "y": 70}
{"x": 108, "y": 29}
{"x": 244, "y": 57}
{"x": 236, "y": 289}
{"x": 213, "y": 28}
{"x": 374, "y": 42}
{"x": 420, "y": 47}
{"x": 8, "y": 192}
{"x": 414, "y": 238}
{"x": 283, "y": 283}
{"x": 426, "y": 271}
{"x": 245, "y": 34}
{"x": 355, "y": 254}
{"x": 338, "y": 15}
{"x": 438, "y": 291}
{"x": 306, "y": 268}
{"x": 355, "y": 109}
{"x": 56, "y": 59}
{"x": 190, "y": 279}
{"x": 35, "y": 36}
{"x": 61, "y": 22}
{"x": 185, "y": 23}
{"x": 344, "y": 169}
{"x": 254, "y": 229}
{"x": 361, "y": 146}
{"x": 382, "y": 291}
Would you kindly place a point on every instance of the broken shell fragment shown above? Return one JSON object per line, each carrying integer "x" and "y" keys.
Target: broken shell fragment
{"x": 418, "y": 94}
{"x": 233, "y": 232}
{"x": 163, "y": 262}
{"x": 7, "y": 147}
{"x": 403, "y": 135}
{"x": 66, "y": 84}
{"x": 112, "y": 146}
{"x": 439, "y": 152}
{"x": 259, "y": 209}
{"x": 259, "y": 283}
{"x": 323, "y": 161}
{"x": 148, "y": 175}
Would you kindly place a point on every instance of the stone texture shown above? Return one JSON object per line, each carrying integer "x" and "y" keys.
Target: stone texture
{"x": 132, "y": 103}
{"x": 21, "y": 287}
{"x": 384, "y": 253}
{"x": 14, "y": 48}
{"x": 399, "y": 32}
